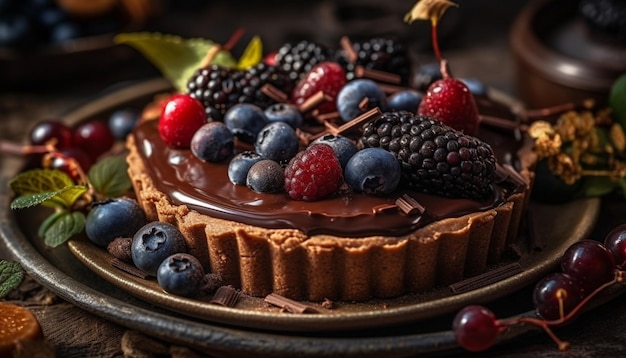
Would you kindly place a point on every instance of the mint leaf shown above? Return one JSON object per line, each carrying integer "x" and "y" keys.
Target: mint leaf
{"x": 617, "y": 99}
{"x": 109, "y": 177}
{"x": 11, "y": 276}
{"x": 175, "y": 57}
{"x": 65, "y": 198}
{"x": 47, "y": 223}
{"x": 64, "y": 227}
{"x": 37, "y": 181}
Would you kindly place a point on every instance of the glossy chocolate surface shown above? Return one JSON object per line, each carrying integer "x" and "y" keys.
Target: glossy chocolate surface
{"x": 205, "y": 187}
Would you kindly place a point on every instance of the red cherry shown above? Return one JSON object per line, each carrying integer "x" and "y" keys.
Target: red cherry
{"x": 328, "y": 77}
{"x": 94, "y": 138}
{"x": 450, "y": 101}
{"x": 590, "y": 263}
{"x": 615, "y": 242}
{"x": 475, "y": 328}
{"x": 51, "y": 129}
{"x": 181, "y": 117}
{"x": 65, "y": 161}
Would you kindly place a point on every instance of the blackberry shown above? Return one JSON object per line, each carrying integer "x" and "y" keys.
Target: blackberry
{"x": 378, "y": 53}
{"x": 218, "y": 88}
{"x": 435, "y": 158}
{"x": 296, "y": 59}
{"x": 608, "y": 16}
{"x": 215, "y": 88}
{"x": 250, "y": 82}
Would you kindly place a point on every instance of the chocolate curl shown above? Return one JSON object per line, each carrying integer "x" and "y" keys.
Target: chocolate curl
{"x": 377, "y": 75}
{"x": 409, "y": 206}
{"x": 226, "y": 296}
{"x": 346, "y": 45}
{"x": 274, "y": 93}
{"x": 355, "y": 123}
{"x": 363, "y": 104}
{"x": 288, "y": 305}
{"x": 313, "y": 101}
{"x": 487, "y": 278}
{"x": 128, "y": 268}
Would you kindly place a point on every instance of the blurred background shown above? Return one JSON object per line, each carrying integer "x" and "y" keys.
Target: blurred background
{"x": 57, "y": 44}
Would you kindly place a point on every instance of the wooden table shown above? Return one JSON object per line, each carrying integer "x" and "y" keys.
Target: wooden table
{"x": 479, "y": 48}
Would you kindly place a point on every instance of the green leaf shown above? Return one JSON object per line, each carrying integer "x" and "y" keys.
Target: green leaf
{"x": 64, "y": 227}
{"x": 617, "y": 99}
{"x": 65, "y": 198}
{"x": 175, "y": 57}
{"x": 37, "y": 181}
{"x": 11, "y": 276}
{"x": 598, "y": 186}
{"x": 109, "y": 177}
{"x": 45, "y": 225}
{"x": 252, "y": 55}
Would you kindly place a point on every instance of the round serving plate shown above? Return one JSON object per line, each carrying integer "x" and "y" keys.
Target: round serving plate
{"x": 81, "y": 274}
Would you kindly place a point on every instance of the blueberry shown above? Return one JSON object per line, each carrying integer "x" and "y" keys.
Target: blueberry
{"x": 373, "y": 171}
{"x": 476, "y": 86}
{"x": 213, "y": 142}
{"x": 245, "y": 121}
{"x": 426, "y": 74}
{"x": 344, "y": 147}
{"x": 407, "y": 100}
{"x": 65, "y": 31}
{"x": 284, "y": 112}
{"x": 266, "y": 176}
{"x": 16, "y": 31}
{"x": 354, "y": 92}
{"x": 153, "y": 243}
{"x": 180, "y": 274}
{"x": 240, "y": 165}
{"x": 122, "y": 122}
{"x": 113, "y": 218}
{"x": 49, "y": 17}
{"x": 277, "y": 141}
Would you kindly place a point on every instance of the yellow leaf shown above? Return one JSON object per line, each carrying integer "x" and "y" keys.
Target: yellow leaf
{"x": 428, "y": 10}
{"x": 252, "y": 55}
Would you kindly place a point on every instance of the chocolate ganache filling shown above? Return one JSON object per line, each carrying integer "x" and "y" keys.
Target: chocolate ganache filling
{"x": 205, "y": 187}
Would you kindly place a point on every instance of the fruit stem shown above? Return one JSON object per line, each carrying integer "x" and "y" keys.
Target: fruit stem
{"x": 433, "y": 21}
{"x": 19, "y": 149}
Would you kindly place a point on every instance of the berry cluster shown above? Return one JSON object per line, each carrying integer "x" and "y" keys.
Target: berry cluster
{"x": 156, "y": 248}
{"x": 587, "y": 268}
{"x": 74, "y": 150}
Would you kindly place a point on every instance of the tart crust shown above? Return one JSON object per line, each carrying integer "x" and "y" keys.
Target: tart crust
{"x": 288, "y": 262}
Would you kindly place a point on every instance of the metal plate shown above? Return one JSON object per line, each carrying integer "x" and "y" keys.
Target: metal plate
{"x": 407, "y": 325}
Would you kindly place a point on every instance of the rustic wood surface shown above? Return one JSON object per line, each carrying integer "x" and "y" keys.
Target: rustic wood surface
{"x": 479, "y": 48}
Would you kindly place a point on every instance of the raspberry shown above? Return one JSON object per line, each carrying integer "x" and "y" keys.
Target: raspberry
{"x": 327, "y": 77}
{"x": 435, "y": 158}
{"x": 313, "y": 173}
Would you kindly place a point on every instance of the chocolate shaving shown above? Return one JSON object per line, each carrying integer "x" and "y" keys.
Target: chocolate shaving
{"x": 377, "y": 75}
{"x": 274, "y": 93}
{"x": 288, "y": 305}
{"x": 506, "y": 173}
{"x": 327, "y": 117}
{"x": 363, "y": 104}
{"x": 346, "y": 45}
{"x": 486, "y": 278}
{"x": 391, "y": 89}
{"x": 313, "y": 101}
{"x": 354, "y": 123}
{"x": 384, "y": 207}
{"x": 409, "y": 206}
{"x": 128, "y": 268}
{"x": 226, "y": 296}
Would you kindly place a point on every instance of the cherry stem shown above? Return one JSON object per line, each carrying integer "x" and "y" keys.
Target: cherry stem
{"x": 433, "y": 21}
{"x": 545, "y": 325}
{"x": 19, "y": 149}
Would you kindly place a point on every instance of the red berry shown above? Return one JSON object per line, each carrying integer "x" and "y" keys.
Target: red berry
{"x": 590, "y": 263}
{"x": 615, "y": 241}
{"x": 66, "y": 161}
{"x": 475, "y": 328}
{"x": 270, "y": 59}
{"x": 51, "y": 130}
{"x": 556, "y": 295}
{"x": 93, "y": 138}
{"x": 328, "y": 77}
{"x": 181, "y": 117}
{"x": 450, "y": 101}
{"x": 313, "y": 173}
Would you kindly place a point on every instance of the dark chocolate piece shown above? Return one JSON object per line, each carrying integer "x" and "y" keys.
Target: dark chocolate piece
{"x": 486, "y": 278}
{"x": 288, "y": 305}
{"x": 226, "y": 296}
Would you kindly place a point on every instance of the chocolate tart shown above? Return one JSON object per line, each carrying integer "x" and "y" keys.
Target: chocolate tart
{"x": 351, "y": 248}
